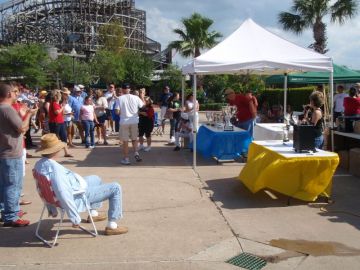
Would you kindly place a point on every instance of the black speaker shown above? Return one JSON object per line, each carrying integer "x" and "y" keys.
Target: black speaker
{"x": 304, "y": 138}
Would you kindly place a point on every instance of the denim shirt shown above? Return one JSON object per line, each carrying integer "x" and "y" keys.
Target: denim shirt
{"x": 75, "y": 104}
{"x": 64, "y": 183}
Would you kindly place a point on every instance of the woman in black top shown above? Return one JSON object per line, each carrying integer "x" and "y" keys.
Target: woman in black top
{"x": 316, "y": 118}
{"x": 175, "y": 108}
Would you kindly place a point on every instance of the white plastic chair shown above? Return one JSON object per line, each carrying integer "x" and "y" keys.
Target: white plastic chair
{"x": 43, "y": 185}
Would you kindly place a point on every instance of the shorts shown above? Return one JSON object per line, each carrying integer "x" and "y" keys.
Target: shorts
{"x": 101, "y": 119}
{"x": 162, "y": 112}
{"x": 68, "y": 123}
{"x": 146, "y": 127}
{"x": 108, "y": 114}
{"x": 127, "y": 132}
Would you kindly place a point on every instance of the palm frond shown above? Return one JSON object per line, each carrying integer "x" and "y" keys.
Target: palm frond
{"x": 292, "y": 22}
{"x": 343, "y": 9}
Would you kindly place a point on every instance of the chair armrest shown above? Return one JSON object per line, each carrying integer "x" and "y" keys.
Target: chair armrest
{"x": 79, "y": 192}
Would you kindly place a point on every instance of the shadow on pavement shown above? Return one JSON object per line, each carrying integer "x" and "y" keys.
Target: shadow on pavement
{"x": 103, "y": 156}
{"x": 25, "y": 236}
{"x": 234, "y": 195}
{"x": 346, "y": 200}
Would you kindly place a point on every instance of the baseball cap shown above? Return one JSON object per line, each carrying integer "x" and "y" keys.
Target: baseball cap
{"x": 229, "y": 91}
{"x": 81, "y": 86}
{"x": 125, "y": 86}
{"x": 77, "y": 88}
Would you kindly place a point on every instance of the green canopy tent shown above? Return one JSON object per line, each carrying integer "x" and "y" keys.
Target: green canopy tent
{"x": 341, "y": 75}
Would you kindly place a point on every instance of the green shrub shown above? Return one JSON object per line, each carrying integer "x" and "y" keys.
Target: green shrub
{"x": 296, "y": 97}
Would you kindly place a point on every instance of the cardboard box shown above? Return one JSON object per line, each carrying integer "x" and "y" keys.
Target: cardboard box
{"x": 344, "y": 159}
{"x": 357, "y": 127}
{"x": 354, "y": 161}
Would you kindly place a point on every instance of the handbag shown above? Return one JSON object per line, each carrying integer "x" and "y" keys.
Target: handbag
{"x": 169, "y": 114}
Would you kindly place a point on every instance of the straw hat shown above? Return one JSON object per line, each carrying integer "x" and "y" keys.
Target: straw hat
{"x": 65, "y": 91}
{"x": 50, "y": 144}
{"x": 43, "y": 93}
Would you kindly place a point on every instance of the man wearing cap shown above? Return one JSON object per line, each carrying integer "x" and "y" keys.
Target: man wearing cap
{"x": 128, "y": 106}
{"x": 11, "y": 151}
{"x": 110, "y": 96}
{"x": 339, "y": 101}
{"x": 357, "y": 86}
{"x": 65, "y": 182}
{"x": 164, "y": 105}
{"x": 246, "y": 109}
{"x": 75, "y": 102}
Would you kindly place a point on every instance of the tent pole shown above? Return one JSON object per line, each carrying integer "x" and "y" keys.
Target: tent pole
{"x": 331, "y": 84}
{"x": 285, "y": 95}
{"x": 194, "y": 124}
{"x": 182, "y": 90}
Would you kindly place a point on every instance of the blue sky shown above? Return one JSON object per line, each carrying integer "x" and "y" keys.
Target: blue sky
{"x": 164, "y": 15}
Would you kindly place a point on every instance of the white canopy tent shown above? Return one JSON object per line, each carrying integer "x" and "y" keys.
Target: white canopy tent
{"x": 253, "y": 49}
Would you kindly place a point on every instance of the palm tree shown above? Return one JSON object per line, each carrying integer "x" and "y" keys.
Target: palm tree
{"x": 311, "y": 13}
{"x": 195, "y": 36}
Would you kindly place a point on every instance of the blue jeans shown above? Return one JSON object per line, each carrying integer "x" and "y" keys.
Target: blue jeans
{"x": 11, "y": 180}
{"x": 60, "y": 130}
{"x": 89, "y": 131}
{"x": 319, "y": 142}
{"x": 98, "y": 192}
{"x": 247, "y": 125}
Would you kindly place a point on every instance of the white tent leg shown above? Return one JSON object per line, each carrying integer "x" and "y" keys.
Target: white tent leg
{"x": 285, "y": 95}
{"x": 194, "y": 124}
{"x": 182, "y": 91}
{"x": 331, "y": 84}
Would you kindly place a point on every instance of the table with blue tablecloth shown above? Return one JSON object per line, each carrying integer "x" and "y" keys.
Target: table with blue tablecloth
{"x": 222, "y": 145}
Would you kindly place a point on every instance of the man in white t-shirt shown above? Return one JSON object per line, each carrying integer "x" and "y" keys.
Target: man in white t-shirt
{"x": 128, "y": 106}
{"x": 110, "y": 95}
{"x": 339, "y": 101}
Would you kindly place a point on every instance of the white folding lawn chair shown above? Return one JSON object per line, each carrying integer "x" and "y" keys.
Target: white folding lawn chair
{"x": 46, "y": 193}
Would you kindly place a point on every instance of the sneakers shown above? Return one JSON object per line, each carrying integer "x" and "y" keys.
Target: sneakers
{"x": 137, "y": 157}
{"x": 20, "y": 214}
{"x": 177, "y": 148}
{"x": 118, "y": 230}
{"x": 141, "y": 147}
{"x": 147, "y": 149}
{"x": 125, "y": 161}
{"x": 97, "y": 218}
{"x": 17, "y": 223}
{"x": 92, "y": 146}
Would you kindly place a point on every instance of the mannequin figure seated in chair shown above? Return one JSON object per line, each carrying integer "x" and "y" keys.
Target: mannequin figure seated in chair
{"x": 65, "y": 183}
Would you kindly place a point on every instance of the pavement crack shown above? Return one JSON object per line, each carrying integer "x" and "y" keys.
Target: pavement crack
{"x": 197, "y": 176}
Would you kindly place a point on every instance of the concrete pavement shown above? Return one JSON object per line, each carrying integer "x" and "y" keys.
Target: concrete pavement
{"x": 181, "y": 219}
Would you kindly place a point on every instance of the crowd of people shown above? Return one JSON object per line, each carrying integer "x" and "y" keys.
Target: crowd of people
{"x": 63, "y": 115}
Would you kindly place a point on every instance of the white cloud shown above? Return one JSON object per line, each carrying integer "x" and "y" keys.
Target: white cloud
{"x": 165, "y": 15}
{"x": 159, "y": 27}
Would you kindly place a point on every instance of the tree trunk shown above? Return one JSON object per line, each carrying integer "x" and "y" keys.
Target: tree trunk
{"x": 319, "y": 32}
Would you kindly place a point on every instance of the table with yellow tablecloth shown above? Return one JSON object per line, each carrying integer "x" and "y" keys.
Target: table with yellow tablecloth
{"x": 274, "y": 165}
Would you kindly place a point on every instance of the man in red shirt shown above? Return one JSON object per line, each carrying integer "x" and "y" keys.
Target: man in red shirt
{"x": 246, "y": 109}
